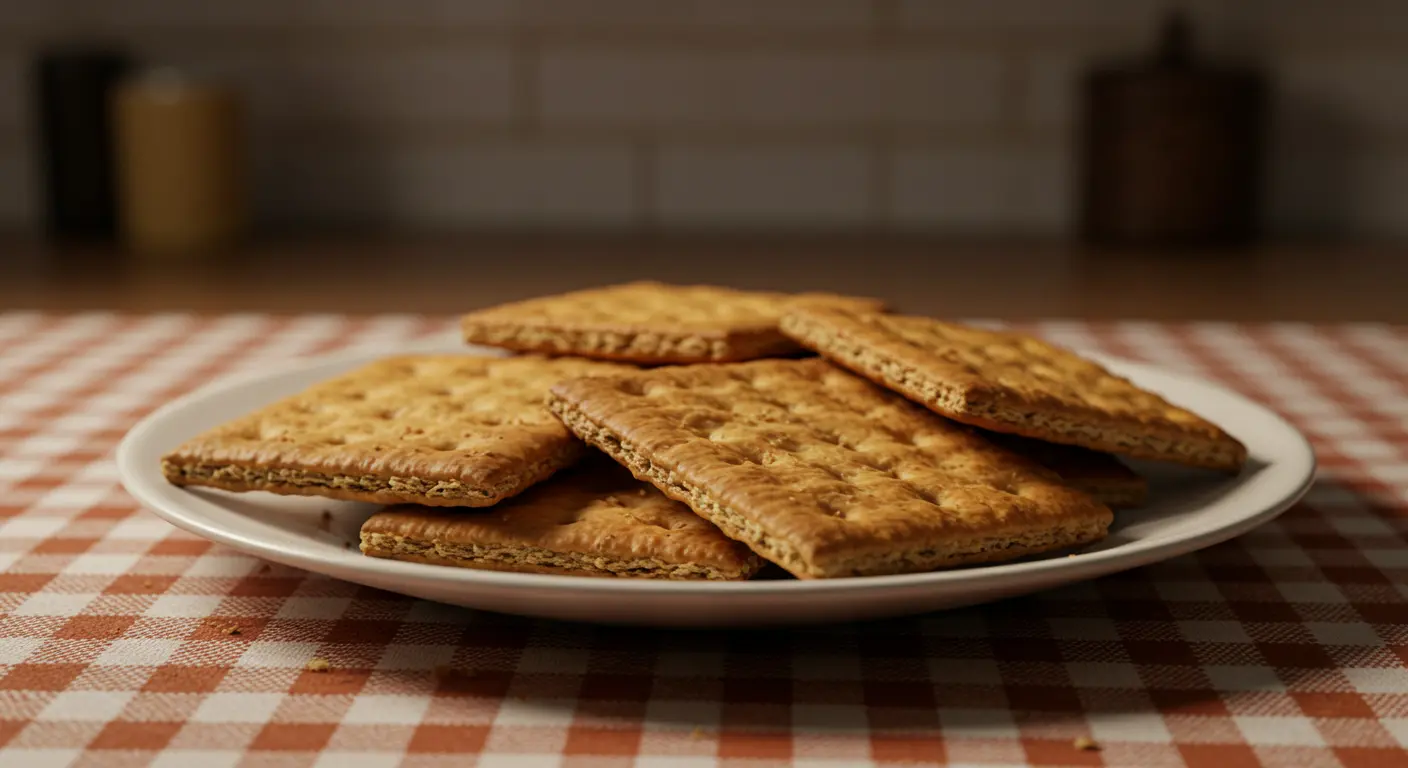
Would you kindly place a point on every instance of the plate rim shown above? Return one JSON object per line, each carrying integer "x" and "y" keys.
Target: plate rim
{"x": 150, "y": 490}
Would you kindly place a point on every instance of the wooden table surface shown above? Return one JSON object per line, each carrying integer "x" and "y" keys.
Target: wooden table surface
{"x": 972, "y": 279}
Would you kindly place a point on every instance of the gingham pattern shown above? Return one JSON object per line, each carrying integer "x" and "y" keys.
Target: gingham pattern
{"x": 1288, "y": 646}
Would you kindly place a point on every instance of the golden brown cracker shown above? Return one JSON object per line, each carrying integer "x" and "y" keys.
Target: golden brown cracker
{"x": 824, "y": 473}
{"x": 648, "y": 322}
{"x": 1013, "y": 383}
{"x": 442, "y": 430}
{"x": 1099, "y": 474}
{"x": 591, "y": 520}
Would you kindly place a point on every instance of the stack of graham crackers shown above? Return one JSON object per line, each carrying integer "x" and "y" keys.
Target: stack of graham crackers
{"x": 688, "y": 432}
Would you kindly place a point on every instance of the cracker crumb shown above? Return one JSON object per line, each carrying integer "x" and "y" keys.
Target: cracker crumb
{"x": 318, "y": 665}
{"x": 146, "y": 583}
{"x": 697, "y": 734}
{"x": 612, "y": 500}
{"x": 231, "y": 630}
{"x": 1086, "y": 745}
{"x": 641, "y": 492}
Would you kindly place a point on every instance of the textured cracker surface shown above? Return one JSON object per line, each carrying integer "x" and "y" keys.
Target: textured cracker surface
{"x": 1099, "y": 474}
{"x": 823, "y": 473}
{"x": 1013, "y": 383}
{"x": 444, "y": 430}
{"x": 591, "y": 520}
{"x": 647, "y": 322}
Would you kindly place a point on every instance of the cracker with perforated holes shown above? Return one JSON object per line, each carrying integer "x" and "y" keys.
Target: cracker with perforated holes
{"x": 1009, "y": 382}
{"x": 451, "y": 430}
{"x": 648, "y": 322}
{"x": 593, "y": 519}
{"x": 824, "y": 473}
{"x": 1097, "y": 473}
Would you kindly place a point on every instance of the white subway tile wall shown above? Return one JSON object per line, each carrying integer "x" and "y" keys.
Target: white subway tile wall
{"x": 1031, "y": 13}
{"x": 693, "y": 13}
{"x": 1365, "y": 89}
{"x": 707, "y": 187}
{"x": 968, "y": 188}
{"x": 742, "y": 89}
{"x": 17, "y": 183}
{"x": 14, "y": 104}
{"x": 928, "y": 115}
{"x": 442, "y": 187}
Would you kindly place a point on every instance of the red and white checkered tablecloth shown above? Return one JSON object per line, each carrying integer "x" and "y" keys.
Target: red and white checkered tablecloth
{"x": 1287, "y": 646}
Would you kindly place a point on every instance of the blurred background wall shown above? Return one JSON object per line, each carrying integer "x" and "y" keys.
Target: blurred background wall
{"x": 951, "y": 116}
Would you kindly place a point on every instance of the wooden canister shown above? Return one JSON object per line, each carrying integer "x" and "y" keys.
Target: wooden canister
{"x": 180, "y": 165}
{"x": 1172, "y": 150}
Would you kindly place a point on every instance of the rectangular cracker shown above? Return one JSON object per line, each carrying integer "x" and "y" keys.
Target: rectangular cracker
{"x": 824, "y": 473}
{"x": 441, "y": 430}
{"x": 647, "y": 322}
{"x": 1013, "y": 383}
{"x": 591, "y": 520}
{"x": 1101, "y": 475}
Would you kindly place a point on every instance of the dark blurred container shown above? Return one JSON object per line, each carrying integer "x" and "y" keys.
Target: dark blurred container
{"x": 1172, "y": 149}
{"x": 72, "y": 87}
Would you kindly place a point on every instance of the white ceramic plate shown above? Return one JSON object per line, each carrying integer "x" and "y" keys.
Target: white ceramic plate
{"x": 1189, "y": 510}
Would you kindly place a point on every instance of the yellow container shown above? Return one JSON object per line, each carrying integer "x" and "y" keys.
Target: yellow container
{"x": 180, "y": 165}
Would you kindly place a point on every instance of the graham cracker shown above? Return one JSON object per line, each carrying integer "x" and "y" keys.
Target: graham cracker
{"x": 593, "y": 519}
{"x": 1008, "y": 382}
{"x": 1099, "y": 474}
{"x": 441, "y": 430}
{"x": 648, "y": 322}
{"x": 824, "y": 473}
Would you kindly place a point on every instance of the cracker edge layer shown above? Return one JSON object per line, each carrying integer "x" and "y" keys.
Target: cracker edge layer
{"x": 539, "y": 560}
{"x": 377, "y": 489}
